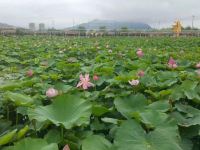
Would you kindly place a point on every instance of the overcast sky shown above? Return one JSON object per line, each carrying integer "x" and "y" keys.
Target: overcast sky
{"x": 61, "y": 13}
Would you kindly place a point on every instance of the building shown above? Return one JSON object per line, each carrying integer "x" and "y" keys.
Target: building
{"x": 41, "y": 27}
{"x": 8, "y": 31}
{"x": 71, "y": 32}
{"x": 32, "y": 26}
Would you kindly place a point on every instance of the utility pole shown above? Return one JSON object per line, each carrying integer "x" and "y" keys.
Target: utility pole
{"x": 193, "y": 17}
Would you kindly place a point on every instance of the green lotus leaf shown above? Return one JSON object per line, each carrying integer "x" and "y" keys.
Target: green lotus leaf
{"x": 166, "y": 79}
{"x": 99, "y": 110}
{"x": 96, "y": 142}
{"x": 66, "y": 110}
{"x": 187, "y": 85}
{"x": 53, "y": 136}
{"x": 19, "y": 99}
{"x": 161, "y": 106}
{"x": 130, "y": 135}
{"x": 177, "y": 93}
{"x": 33, "y": 144}
{"x": 9, "y": 86}
{"x": 167, "y": 83}
{"x": 148, "y": 117}
{"x": 148, "y": 81}
{"x": 96, "y": 125}
{"x": 190, "y": 118}
{"x": 127, "y": 106}
{"x": 63, "y": 87}
{"x": 188, "y": 109}
{"x": 190, "y": 90}
{"x": 186, "y": 89}
{"x": 163, "y": 76}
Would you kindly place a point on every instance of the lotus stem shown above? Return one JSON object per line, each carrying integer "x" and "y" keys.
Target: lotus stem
{"x": 7, "y": 111}
{"x": 34, "y": 126}
{"x": 17, "y": 118}
{"x": 62, "y": 132}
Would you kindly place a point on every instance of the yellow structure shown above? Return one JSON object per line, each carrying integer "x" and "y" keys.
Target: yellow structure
{"x": 177, "y": 28}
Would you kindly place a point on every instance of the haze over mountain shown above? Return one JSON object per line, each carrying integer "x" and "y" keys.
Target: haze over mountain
{"x": 112, "y": 24}
{"x": 62, "y": 13}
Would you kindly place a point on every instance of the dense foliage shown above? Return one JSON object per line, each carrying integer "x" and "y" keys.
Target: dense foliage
{"x": 127, "y": 102}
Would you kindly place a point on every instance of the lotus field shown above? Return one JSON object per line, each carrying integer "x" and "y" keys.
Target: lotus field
{"x": 105, "y": 93}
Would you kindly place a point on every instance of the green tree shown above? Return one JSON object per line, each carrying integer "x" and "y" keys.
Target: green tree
{"x": 82, "y": 30}
{"x": 102, "y": 29}
{"x": 124, "y": 29}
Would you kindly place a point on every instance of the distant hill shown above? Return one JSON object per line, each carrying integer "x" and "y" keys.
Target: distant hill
{"x": 111, "y": 25}
{"x": 4, "y": 25}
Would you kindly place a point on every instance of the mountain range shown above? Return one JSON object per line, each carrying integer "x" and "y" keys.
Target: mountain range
{"x": 96, "y": 24}
{"x": 112, "y": 25}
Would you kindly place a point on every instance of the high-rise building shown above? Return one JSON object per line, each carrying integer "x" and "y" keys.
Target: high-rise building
{"x": 41, "y": 27}
{"x": 32, "y": 26}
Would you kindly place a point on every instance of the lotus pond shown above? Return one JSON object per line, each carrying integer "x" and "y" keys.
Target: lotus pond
{"x": 106, "y": 93}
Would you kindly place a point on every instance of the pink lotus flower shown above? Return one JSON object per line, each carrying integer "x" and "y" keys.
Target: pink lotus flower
{"x": 29, "y": 73}
{"x": 66, "y": 147}
{"x": 140, "y": 53}
{"x": 95, "y": 78}
{"x": 141, "y": 73}
{"x": 172, "y": 63}
{"x": 134, "y": 82}
{"x": 51, "y": 92}
{"x": 85, "y": 82}
{"x": 198, "y": 65}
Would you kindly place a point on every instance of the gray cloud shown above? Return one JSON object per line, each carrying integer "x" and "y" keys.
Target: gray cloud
{"x": 62, "y": 13}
